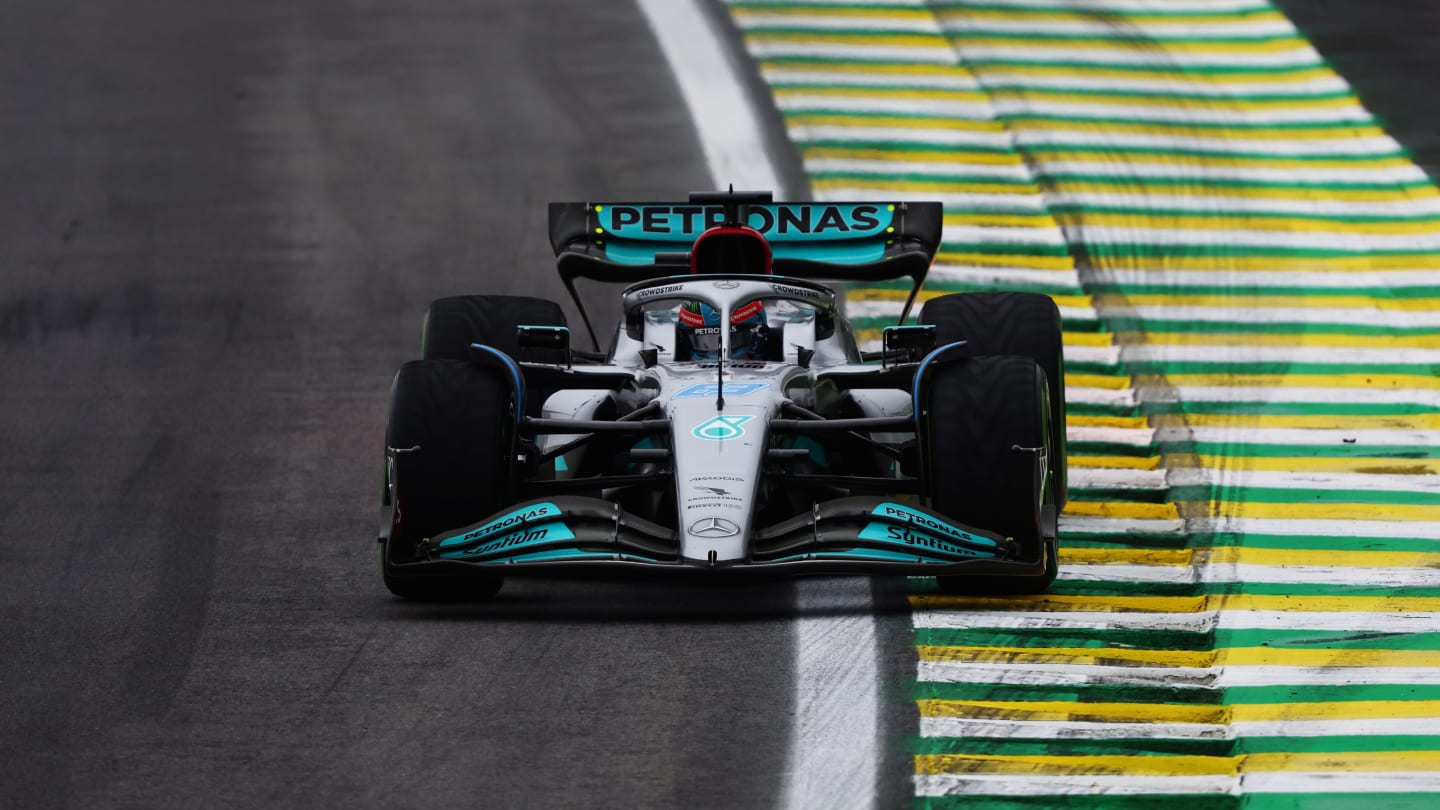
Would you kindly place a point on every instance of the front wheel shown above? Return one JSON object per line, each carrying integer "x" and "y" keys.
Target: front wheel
{"x": 981, "y": 420}
{"x": 998, "y": 323}
{"x": 451, "y": 430}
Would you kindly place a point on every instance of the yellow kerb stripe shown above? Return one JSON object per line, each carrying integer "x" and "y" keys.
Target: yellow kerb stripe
{"x": 878, "y": 38}
{"x": 1220, "y": 555}
{"x": 1182, "y": 604}
{"x": 911, "y": 94}
{"x": 939, "y": 186}
{"x": 891, "y": 121}
{"x": 1123, "y": 509}
{"x": 1428, "y": 421}
{"x": 1396, "y": 382}
{"x": 1048, "y": 15}
{"x": 1302, "y": 339}
{"x": 1139, "y": 765}
{"x": 1188, "y": 188}
{"x": 869, "y": 68}
{"x": 958, "y": 155}
{"x": 1239, "y": 221}
{"x": 1001, "y": 220}
{"x": 889, "y": 12}
{"x": 1089, "y": 420}
{"x": 1371, "y": 466}
{"x": 1279, "y": 45}
{"x": 1172, "y": 557}
{"x": 1241, "y": 264}
{"x": 1088, "y": 339}
{"x": 1076, "y": 301}
{"x": 1094, "y": 339}
{"x": 1173, "y": 102}
{"x": 1297, "y": 75}
{"x": 983, "y": 260}
{"x": 1396, "y": 512}
{"x": 1247, "y": 299}
{"x": 1115, "y": 462}
{"x": 1069, "y": 711}
{"x": 1234, "y": 656}
{"x": 1249, "y": 134}
{"x": 1115, "y": 383}
{"x": 1050, "y": 154}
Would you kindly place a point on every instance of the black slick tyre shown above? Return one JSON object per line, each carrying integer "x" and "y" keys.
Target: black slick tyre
{"x": 452, "y": 324}
{"x": 999, "y": 323}
{"x": 975, "y": 412}
{"x": 450, "y": 423}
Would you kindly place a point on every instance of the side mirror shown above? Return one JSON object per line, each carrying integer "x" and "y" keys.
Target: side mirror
{"x": 907, "y": 344}
{"x": 553, "y": 342}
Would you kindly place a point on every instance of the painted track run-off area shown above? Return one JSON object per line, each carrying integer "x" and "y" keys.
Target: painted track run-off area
{"x": 1249, "y": 270}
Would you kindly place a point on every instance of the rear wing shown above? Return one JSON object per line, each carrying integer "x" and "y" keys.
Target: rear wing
{"x": 829, "y": 241}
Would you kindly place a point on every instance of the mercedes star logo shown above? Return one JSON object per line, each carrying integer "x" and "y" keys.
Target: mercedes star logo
{"x": 714, "y": 527}
{"x": 726, "y": 285}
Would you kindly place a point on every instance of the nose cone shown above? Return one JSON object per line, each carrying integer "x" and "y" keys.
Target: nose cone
{"x": 717, "y": 468}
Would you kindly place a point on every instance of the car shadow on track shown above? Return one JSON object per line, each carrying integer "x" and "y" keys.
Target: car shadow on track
{"x": 541, "y": 600}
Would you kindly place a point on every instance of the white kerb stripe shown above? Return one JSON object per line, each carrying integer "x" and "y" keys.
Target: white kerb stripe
{"x": 1352, "y": 576}
{"x": 1171, "y": 677}
{"x": 976, "y": 26}
{"x": 1276, "y": 354}
{"x": 1199, "y": 622}
{"x": 1009, "y": 784}
{"x": 1282, "y": 393}
{"x": 1281, "y": 479}
{"x": 1098, "y": 730}
{"x": 1082, "y": 784}
{"x": 1326, "y": 437}
{"x": 1181, "y": 281}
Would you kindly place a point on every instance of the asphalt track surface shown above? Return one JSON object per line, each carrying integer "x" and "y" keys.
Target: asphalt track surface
{"x": 1389, "y": 51}
{"x": 219, "y": 225}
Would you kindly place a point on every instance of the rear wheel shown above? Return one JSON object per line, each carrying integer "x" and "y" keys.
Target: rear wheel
{"x": 1020, "y": 323}
{"x": 976, "y": 411}
{"x": 449, "y": 420}
{"x": 452, "y": 324}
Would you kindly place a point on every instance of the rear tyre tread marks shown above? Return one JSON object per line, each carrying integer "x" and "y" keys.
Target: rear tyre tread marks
{"x": 978, "y": 410}
{"x": 457, "y": 414}
{"x": 1011, "y": 323}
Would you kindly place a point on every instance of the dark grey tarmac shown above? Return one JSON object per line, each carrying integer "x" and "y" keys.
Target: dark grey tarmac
{"x": 220, "y": 224}
{"x": 1389, "y": 51}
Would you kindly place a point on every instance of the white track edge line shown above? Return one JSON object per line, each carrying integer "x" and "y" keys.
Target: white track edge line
{"x": 725, "y": 118}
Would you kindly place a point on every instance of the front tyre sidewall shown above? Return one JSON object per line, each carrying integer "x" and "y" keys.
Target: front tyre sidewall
{"x": 458, "y": 414}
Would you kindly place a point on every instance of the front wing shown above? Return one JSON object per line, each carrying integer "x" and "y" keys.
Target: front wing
{"x": 575, "y": 535}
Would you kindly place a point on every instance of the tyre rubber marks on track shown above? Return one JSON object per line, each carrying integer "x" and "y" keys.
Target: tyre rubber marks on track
{"x": 1255, "y": 620}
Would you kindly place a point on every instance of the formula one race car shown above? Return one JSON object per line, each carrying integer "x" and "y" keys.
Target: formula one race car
{"x": 733, "y": 428}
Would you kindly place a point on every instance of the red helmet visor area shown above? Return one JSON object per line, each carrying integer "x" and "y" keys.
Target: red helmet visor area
{"x": 731, "y": 249}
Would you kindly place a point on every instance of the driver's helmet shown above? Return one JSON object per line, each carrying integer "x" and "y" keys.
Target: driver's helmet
{"x": 699, "y": 331}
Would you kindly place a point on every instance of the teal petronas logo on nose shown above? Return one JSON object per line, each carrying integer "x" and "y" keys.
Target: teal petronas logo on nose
{"x": 721, "y": 428}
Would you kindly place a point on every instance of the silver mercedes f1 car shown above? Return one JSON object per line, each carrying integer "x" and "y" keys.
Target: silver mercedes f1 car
{"x": 732, "y": 428}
